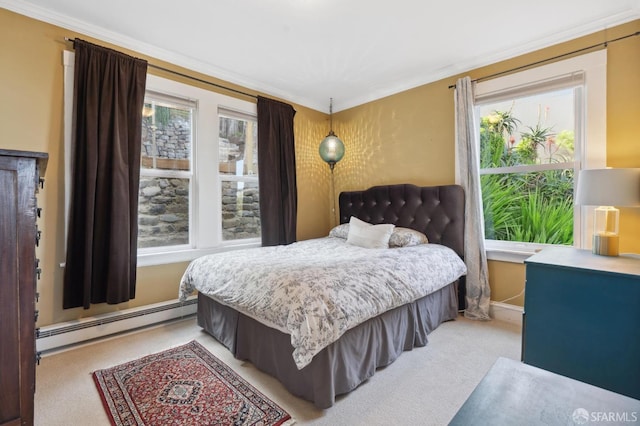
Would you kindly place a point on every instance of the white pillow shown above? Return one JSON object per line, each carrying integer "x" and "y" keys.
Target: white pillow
{"x": 366, "y": 235}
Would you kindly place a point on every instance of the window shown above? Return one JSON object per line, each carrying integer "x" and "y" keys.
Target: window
{"x": 165, "y": 171}
{"x": 238, "y": 168}
{"x": 528, "y": 165}
{"x": 188, "y": 206}
{"x": 537, "y": 129}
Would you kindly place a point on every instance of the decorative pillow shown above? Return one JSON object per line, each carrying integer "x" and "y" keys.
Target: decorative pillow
{"x": 366, "y": 235}
{"x": 405, "y": 237}
{"x": 340, "y": 231}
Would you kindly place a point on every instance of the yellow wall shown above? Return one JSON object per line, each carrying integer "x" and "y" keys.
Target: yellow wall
{"x": 506, "y": 280}
{"x": 407, "y": 137}
{"x": 402, "y": 138}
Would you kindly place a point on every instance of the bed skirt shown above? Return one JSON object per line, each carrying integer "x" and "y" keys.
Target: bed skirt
{"x": 340, "y": 367}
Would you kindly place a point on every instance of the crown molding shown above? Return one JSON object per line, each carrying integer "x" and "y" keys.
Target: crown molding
{"x": 51, "y": 17}
{"x": 42, "y": 14}
{"x": 628, "y": 15}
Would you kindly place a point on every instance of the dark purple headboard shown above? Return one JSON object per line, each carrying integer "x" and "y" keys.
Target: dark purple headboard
{"x": 436, "y": 211}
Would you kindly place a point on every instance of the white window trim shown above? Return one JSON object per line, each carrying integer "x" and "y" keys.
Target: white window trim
{"x": 68, "y": 59}
{"x": 206, "y": 234}
{"x": 528, "y": 168}
{"x": 593, "y": 154}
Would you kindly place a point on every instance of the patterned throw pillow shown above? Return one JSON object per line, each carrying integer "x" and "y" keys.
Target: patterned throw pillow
{"x": 405, "y": 237}
{"x": 340, "y": 231}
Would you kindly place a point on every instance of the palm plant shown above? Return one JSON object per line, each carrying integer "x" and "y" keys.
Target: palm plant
{"x": 532, "y": 140}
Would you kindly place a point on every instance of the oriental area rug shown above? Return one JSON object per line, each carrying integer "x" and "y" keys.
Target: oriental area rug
{"x": 185, "y": 385}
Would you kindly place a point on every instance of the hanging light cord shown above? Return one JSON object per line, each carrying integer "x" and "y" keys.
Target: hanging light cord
{"x": 331, "y": 114}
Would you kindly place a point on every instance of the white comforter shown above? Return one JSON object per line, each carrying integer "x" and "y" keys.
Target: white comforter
{"x": 315, "y": 290}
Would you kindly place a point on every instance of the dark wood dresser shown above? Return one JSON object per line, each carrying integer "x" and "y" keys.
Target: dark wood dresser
{"x": 20, "y": 178}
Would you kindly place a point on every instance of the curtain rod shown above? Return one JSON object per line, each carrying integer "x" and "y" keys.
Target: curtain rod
{"x": 190, "y": 77}
{"x": 603, "y": 44}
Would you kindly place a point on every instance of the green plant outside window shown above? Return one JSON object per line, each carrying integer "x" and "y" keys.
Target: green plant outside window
{"x": 527, "y": 175}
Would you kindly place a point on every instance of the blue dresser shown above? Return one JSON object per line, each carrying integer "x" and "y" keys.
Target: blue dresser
{"x": 582, "y": 317}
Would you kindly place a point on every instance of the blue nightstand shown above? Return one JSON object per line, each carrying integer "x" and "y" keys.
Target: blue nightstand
{"x": 582, "y": 317}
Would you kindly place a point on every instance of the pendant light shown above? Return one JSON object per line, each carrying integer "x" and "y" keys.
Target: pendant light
{"x": 331, "y": 147}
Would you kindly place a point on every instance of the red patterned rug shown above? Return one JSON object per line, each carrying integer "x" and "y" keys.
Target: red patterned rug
{"x": 186, "y": 385}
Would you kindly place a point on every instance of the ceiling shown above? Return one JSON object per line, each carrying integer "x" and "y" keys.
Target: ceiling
{"x": 354, "y": 51}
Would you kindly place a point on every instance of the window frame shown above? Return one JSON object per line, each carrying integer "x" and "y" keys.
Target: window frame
{"x": 591, "y": 153}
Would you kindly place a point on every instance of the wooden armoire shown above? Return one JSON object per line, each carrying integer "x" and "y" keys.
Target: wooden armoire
{"x": 20, "y": 178}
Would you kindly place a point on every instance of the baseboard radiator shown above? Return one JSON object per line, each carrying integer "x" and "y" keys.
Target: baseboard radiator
{"x": 77, "y": 331}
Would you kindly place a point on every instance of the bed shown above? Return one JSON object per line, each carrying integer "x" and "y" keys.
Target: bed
{"x": 353, "y": 347}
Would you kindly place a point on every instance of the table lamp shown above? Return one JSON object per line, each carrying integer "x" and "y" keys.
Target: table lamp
{"x": 607, "y": 188}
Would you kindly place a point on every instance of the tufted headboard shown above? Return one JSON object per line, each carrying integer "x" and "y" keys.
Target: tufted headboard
{"x": 436, "y": 211}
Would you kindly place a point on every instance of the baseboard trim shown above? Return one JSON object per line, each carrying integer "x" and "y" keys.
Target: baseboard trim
{"x": 506, "y": 312}
{"x": 99, "y": 326}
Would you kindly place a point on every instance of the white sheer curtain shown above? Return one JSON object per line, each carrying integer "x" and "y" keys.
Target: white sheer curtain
{"x": 468, "y": 175}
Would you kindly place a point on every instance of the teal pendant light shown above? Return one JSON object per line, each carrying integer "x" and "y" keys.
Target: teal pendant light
{"x": 331, "y": 147}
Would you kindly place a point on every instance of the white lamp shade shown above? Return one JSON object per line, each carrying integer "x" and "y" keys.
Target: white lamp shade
{"x": 609, "y": 187}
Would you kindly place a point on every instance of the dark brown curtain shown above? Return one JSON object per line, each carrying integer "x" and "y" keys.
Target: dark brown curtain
{"x": 101, "y": 259}
{"x": 277, "y": 172}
